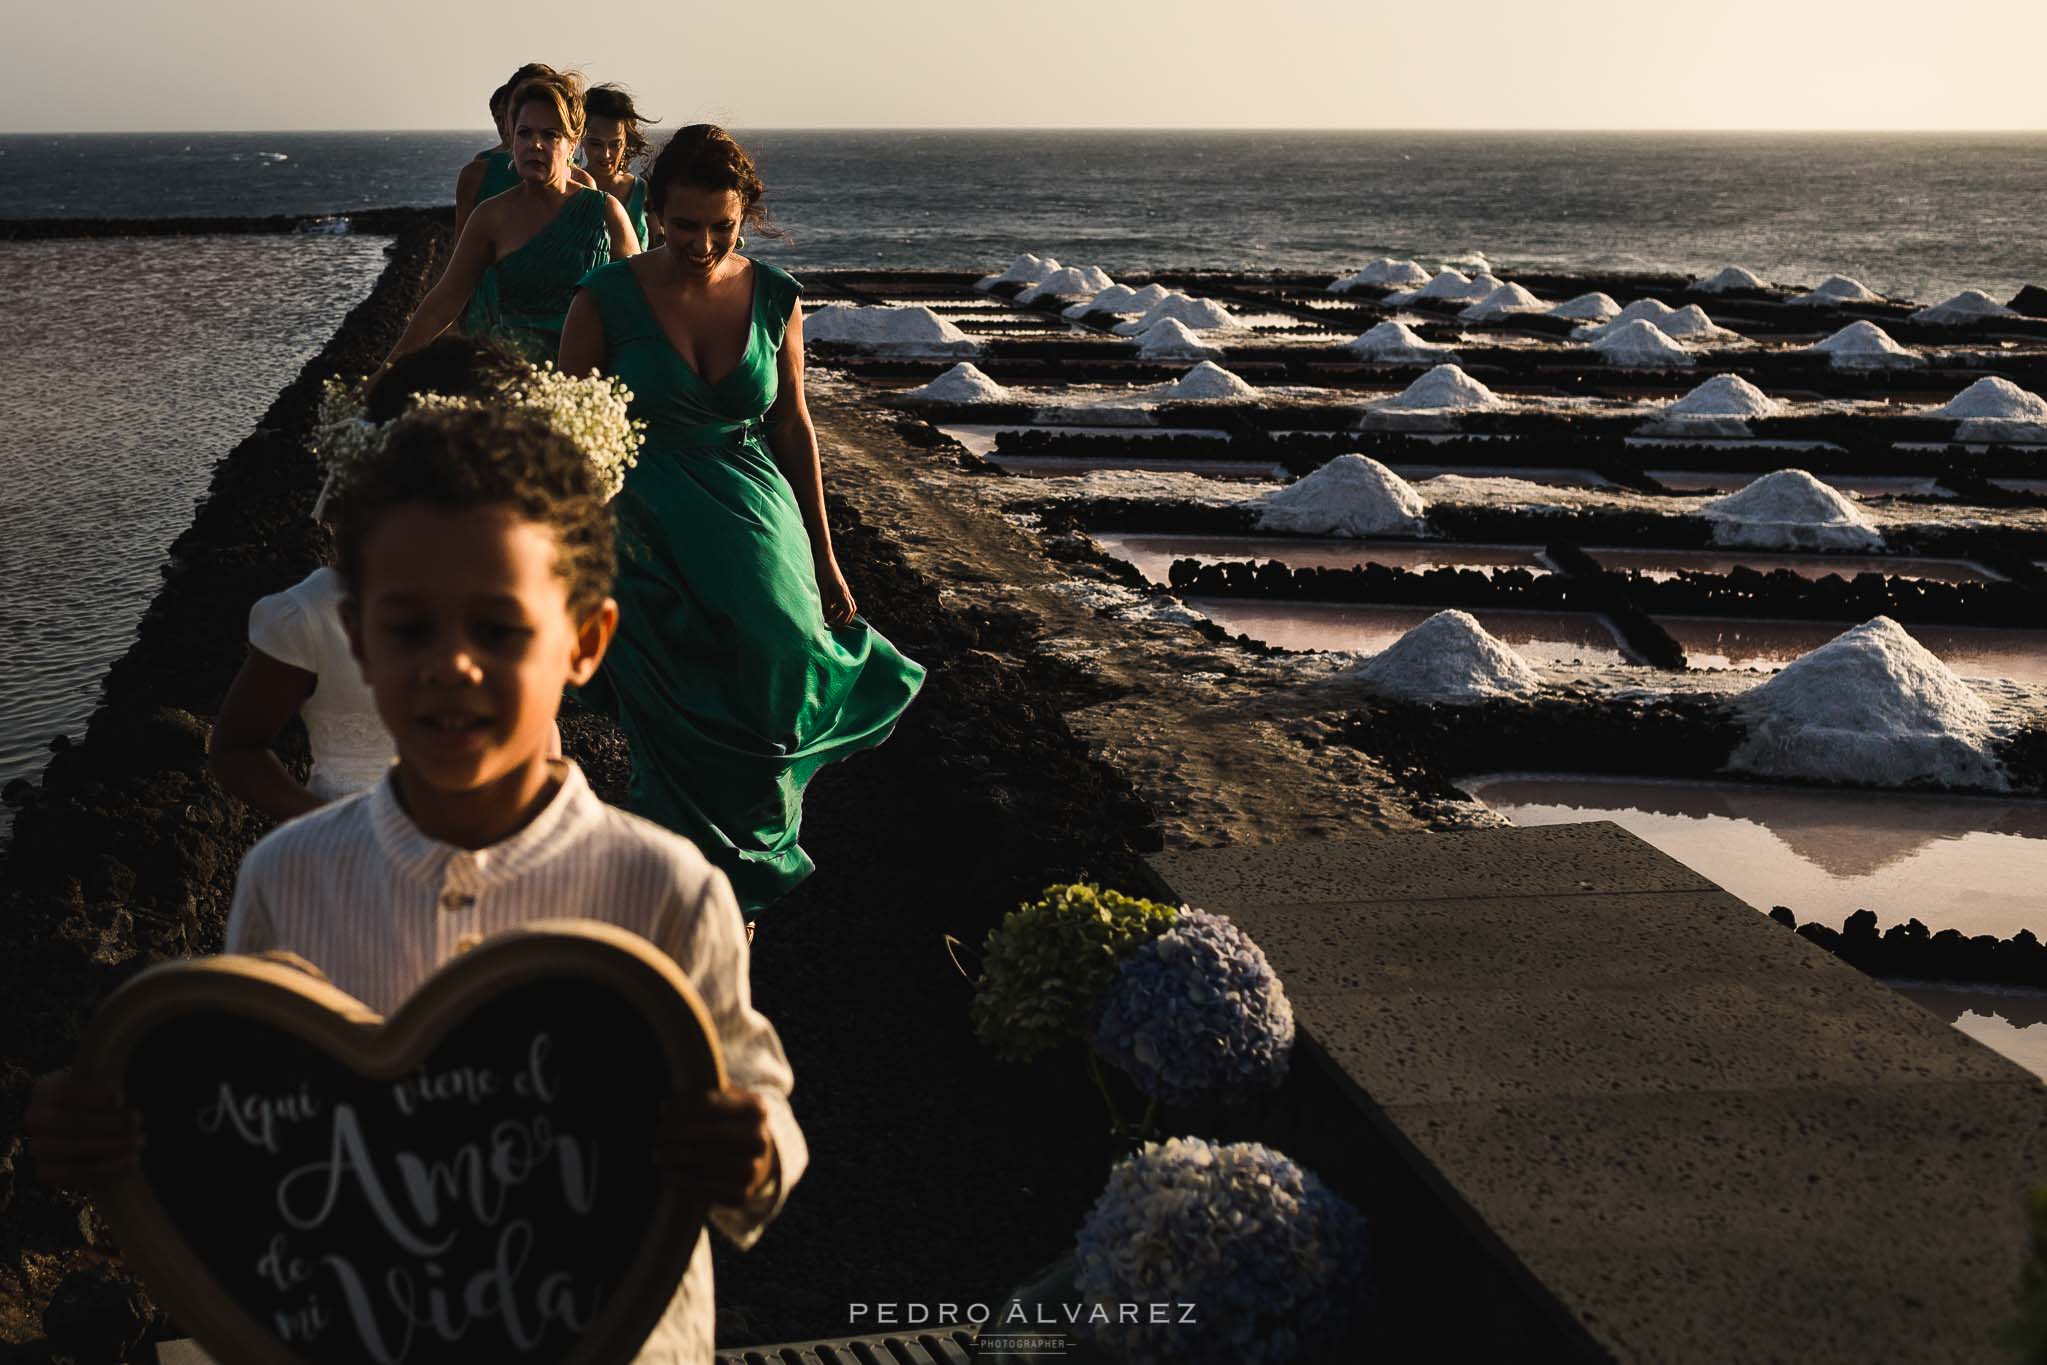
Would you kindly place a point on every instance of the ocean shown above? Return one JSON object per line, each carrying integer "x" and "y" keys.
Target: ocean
{"x": 130, "y": 366}
{"x": 1917, "y": 216}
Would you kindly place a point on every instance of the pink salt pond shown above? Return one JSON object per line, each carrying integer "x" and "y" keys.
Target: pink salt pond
{"x": 1971, "y": 651}
{"x": 1973, "y": 864}
{"x": 1555, "y": 639}
{"x": 2012, "y": 1023}
{"x": 1153, "y": 553}
{"x": 1665, "y": 564}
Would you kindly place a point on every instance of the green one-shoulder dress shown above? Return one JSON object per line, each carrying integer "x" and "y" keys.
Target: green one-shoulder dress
{"x": 524, "y": 298}
{"x": 730, "y": 688}
{"x": 499, "y": 175}
{"x": 636, "y": 209}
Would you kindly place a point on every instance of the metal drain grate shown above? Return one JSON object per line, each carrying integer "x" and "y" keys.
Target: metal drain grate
{"x": 952, "y": 1346}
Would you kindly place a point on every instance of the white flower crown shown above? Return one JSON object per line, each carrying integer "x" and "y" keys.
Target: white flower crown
{"x": 592, "y": 412}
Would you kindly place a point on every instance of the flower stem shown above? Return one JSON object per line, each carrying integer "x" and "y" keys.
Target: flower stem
{"x": 1094, "y": 1071}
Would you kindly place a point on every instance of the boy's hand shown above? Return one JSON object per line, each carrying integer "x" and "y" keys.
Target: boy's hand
{"x": 717, "y": 1146}
{"x": 77, "y": 1138}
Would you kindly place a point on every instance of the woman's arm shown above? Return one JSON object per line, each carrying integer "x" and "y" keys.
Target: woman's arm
{"x": 265, "y": 694}
{"x": 467, "y": 182}
{"x": 474, "y": 253}
{"x": 582, "y": 350}
{"x": 624, "y": 241}
{"x": 794, "y": 442}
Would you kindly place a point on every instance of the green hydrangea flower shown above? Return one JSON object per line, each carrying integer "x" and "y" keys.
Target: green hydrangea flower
{"x": 1048, "y": 962}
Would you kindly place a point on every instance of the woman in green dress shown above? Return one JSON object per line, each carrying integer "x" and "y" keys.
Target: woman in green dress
{"x": 613, "y": 142}
{"x": 491, "y": 172}
{"x": 741, "y": 666}
{"x": 520, "y": 255}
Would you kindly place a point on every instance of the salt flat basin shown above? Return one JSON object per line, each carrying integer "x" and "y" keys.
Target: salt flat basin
{"x": 1055, "y": 466}
{"x": 1664, "y": 564}
{"x": 1971, "y": 651}
{"x": 1556, "y": 476}
{"x": 1153, "y": 553}
{"x": 1875, "y": 485}
{"x": 980, "y": 437}
{"x": 1553, "y": 638}
{"x": 1974, "y": 864}
{"x": 2012, "y": 1022}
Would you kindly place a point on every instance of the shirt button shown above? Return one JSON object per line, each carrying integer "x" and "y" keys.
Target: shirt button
{"x": 458, "y": 900}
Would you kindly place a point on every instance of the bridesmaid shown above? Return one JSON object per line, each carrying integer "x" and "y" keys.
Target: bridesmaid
{"x": 522, "y": 252}
{"x": 741, "y": 666}
{"x": 490, "y": 172}
{"x": 613, "y": 144}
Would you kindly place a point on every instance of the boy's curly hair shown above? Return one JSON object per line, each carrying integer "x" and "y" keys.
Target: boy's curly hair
{"x": 453, "y": 460}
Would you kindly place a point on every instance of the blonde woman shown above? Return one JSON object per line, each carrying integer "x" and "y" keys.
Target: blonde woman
{"x": 522, "y": 252}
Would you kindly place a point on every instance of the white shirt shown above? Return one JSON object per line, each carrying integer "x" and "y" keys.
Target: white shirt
{"x": 301, "y": 626}
{"x": 359, "y": 891}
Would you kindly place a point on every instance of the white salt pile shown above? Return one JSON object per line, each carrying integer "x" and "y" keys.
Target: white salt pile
{"x": 1643, "y": 310}
{"x": 1451, "y": 286}
{"x": 1447, "y": 388}
{"x": 1384, "y": 273}
{"x": 1971, "y": 305}
{"x": 1593, "y": 307}
{"x": 1994, "y": 398}
{"x": 1028, "y": 268}
{"x": 897, "y": 331}
{"x": 1082, "y": 281}
{"x": 1641, "y": 345}
{"x": 1734, "y": 279}
{"x": 1863, "y": 346}
{"x": 1395, "y": 343}
{"x": 1117, "y": 298}
{"x": 1202, "y": 315}
{"x": 1690, "y": 323}
{"x": 1451, "y": 658}
{"x": 963, "y": 383}
{"x": 1725, "y": 395}
{"x": 1508, "y": 298}
{"x": 1172, "y": 339}
{"x": 1207, "y": 382}
{"x": 1790, "y": 510}
{"x": 1838, "y": 289}
{"x": 1349, "y": 496}
{"x": 1873, "y": 707}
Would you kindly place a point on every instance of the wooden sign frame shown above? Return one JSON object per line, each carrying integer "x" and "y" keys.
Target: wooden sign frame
{"x": 314, "y": 1011}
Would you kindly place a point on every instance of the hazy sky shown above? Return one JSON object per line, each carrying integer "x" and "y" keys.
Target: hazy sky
{"x": 188, "y": 65}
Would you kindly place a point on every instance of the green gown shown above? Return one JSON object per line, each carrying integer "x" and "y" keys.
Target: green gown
{"x": 730, "y": 688}
{"x": 636, "y": 209}
{"x": 499, "y": 175}
{"x": 525, "y": 296}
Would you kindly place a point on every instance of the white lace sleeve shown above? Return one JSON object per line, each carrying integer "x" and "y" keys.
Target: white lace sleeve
{"x": 278, "y": 627}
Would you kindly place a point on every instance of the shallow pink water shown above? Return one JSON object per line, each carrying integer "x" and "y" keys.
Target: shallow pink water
{"x": 1153, "y": 553}
{"x": 1662, "y": 564}
{"x": 1975, "y": 864}
{"x": 1543, "y": 638}
{"x": 1971, "y": 651}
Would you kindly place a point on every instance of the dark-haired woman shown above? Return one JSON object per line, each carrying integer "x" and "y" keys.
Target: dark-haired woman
{"x": 741, "y": 666}
{"x": 520, "y": 255}
{"x": 613, "y": 143}
{"x": 490, "y": 172}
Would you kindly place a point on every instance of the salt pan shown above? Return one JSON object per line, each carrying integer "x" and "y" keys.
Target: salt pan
{"x": 1451, "y": 658}
{"x": 1838, "y": 289}
{"x": 1734, "y": 279}
{"x": 896, "y": 331}
{"x": 1207, "y": 382}
{"x": 1202, "y": 315}
{"x": 1640, "y": 344}
{"x": 963, "y": 383}
{"x": 1871, "y": 706}
{"x": 1349, "y": 496}
{"x": 1172, "y": 339}
{"x": 1994, "y": 398}
{"x": 1971, "y": 305}
{"x": 1790, "y": 510}
{"x": 1447, "y": 388}
{"x": 1594, "y": 307}
{"x": 1393, "y": 343}
{"x": 1864, "y": 346}
{"x": 1384, "y": 273}
{"x": 1508, "y": 298}
{"x": 1028, "y": 268}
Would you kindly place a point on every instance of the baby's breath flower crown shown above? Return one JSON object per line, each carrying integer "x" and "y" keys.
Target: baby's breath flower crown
{"x": 592, "y": 412}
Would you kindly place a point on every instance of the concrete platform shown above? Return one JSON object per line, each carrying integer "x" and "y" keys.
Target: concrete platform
{"x": 1701, "y": 1138}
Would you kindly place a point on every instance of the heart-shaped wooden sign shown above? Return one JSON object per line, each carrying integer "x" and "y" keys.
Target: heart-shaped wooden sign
{"x": 471, "y": 1182}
